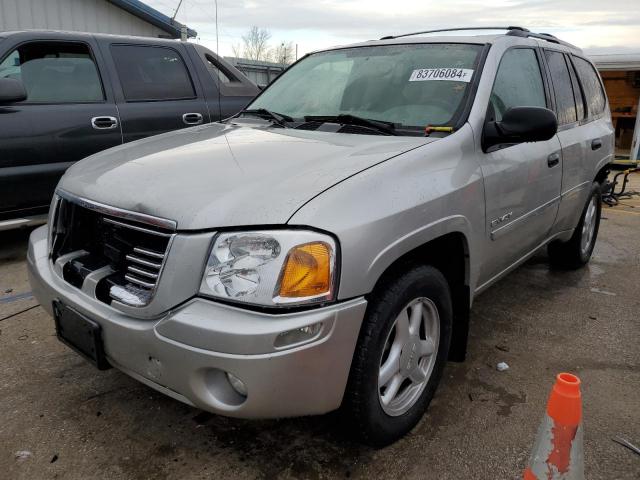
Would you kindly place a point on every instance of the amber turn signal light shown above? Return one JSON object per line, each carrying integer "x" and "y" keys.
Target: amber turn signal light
{"x": 307, "y": 271}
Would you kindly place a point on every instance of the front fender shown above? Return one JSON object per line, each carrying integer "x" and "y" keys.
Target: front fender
{"x": 395, "y": 207}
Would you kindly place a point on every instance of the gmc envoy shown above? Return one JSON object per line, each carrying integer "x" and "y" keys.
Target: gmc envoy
{"x": 322, "y": 248}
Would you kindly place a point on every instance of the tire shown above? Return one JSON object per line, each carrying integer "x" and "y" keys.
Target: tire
{"x": 577, "y": 251}
{"x": 417, "y": 289}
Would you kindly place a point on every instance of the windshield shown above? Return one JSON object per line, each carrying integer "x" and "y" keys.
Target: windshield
{"x": 409, "y": 85}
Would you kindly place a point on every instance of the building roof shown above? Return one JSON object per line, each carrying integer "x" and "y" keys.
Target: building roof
{"x": 254, "y": 63}
{"x": 153, "y": 16}
{"x": 617, "y": 61}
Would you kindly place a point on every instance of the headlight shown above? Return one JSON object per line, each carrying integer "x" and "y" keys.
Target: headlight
{"x": 271, "y": 267}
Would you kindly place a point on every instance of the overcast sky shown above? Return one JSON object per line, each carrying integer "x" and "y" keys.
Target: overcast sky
{"x": 606, "y": 26}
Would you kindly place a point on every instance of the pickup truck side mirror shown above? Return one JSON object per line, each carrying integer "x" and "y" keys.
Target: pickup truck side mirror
{"x": 11, "y": 91}
{"x": 519, "y": 125}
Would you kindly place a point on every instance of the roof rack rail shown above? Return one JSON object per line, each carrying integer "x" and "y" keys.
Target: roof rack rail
{"x": 518, "y": 29}
{"x": 512, "y": 31}
{"x": 542, "y": 36}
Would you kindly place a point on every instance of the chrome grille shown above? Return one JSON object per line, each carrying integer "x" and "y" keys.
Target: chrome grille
{"x": 129, "y": 255}
{"x": 144, "y": 271}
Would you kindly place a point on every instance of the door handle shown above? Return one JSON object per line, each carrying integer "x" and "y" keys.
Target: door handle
{"x": 192, "y": 118}
{"x": 104, "y": 123}
{"x": 553, "y": 160}
{"x": 596, "y": 144}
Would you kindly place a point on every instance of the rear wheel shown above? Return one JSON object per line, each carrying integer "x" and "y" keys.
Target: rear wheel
{"x": 402, "y": 349}
{"x": 577, "y": 251}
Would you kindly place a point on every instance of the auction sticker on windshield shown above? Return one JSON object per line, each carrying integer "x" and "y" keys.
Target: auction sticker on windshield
{"x": 450, "y": 74}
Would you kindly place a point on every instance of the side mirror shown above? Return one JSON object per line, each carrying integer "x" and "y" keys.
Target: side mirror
{"x": 519, "y": 125}
{"x": 11, "y": 91}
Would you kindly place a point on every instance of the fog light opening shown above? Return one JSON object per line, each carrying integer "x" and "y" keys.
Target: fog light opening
{"x": 237, "y": 384}
{"x": 298, "y": 335}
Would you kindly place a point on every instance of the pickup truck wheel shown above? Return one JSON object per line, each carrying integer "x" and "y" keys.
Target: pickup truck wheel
{"x": 577, "y": 251}
{"x": 401, "y": 352}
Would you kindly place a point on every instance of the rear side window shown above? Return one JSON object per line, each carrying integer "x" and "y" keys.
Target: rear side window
{"x": 55, "y": 72}
{"x": 151, "y": 73}
{"x": 565, "y": 100}
{"x": 518, "y": 82}
{"x": 591, "y": 85}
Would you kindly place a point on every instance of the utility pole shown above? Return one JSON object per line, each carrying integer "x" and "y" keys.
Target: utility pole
{"x": 296, "y": 52}
{"x": 635, "y": 144}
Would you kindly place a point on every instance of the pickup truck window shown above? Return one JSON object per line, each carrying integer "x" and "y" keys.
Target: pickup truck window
{"x": 565, "y": 100}
{"x": 55, "y": 72}
{"x": 152, "y": 73}
{"x": 218, "y": 70}
{"x": 410, "y": 85}
{"x": 518, "y": 82}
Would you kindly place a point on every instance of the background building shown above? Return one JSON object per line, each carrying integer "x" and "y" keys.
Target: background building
{"x": 621, "y": 76}
{"x": 118, "y": 17}
{"x": 259, "y": 72}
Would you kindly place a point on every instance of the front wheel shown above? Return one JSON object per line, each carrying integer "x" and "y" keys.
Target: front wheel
{"x": 401, "y": 352}
{"x": 577, "y": 251}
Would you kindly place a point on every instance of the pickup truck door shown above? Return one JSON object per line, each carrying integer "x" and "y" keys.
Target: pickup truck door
{"x": 69, "y": 114}
{"x": 156, "y": 88}
{"x": 523, "y": 181}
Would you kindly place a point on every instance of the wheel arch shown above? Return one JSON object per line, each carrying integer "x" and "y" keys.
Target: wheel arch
{"x": 602, "y": 174}
{"x": 450, "y": 254}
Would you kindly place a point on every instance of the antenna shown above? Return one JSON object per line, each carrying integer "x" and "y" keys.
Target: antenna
{"x": 176, "y": 12}
{"x": 217, "y": 63}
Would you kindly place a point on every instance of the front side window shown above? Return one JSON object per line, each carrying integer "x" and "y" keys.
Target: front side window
{"x": 408, "y": 85}
{"x": 591, "y": 85}
{"x": 55, "y": 72}
{"x": 565, "y": 100}
{"x": 518, "y": 82}
{"x": 151, "y": 73}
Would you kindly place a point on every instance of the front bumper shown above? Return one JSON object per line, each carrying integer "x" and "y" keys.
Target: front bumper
{"x": 187, "y": 351}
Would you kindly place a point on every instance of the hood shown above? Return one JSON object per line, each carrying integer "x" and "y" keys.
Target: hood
{"x": 220, "y": 175}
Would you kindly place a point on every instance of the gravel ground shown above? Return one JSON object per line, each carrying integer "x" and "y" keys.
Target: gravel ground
{"x": 75, "y": 422}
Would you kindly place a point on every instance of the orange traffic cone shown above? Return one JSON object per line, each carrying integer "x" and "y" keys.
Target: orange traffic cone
{"x": 557, "y": 453}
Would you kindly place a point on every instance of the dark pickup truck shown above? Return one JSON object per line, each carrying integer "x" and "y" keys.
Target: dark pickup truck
{"x": 67, "y": 95}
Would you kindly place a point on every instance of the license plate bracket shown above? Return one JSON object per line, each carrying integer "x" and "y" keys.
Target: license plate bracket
{"x": 80, "y": 334}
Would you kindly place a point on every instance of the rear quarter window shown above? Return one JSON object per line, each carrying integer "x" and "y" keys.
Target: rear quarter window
{"x": 591, "y": 86}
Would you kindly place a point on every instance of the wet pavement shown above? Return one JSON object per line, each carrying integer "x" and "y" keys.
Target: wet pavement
{"x": 61, "y": 418}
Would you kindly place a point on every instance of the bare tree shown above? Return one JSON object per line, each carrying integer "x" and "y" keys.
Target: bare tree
{"x": 236, "y": 48}
{"x": 256, "y": 43}
{"x": 284, "y": 53}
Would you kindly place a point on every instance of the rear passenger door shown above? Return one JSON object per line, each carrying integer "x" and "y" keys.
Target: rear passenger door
{"x": 585, "y": 132}
{"x": 155, "y": 90}
{"x": 69, "y": 114}
{"x": 570, "y": 110}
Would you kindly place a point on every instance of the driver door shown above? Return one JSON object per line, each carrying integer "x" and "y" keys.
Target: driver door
{"x": 522, "y": 181}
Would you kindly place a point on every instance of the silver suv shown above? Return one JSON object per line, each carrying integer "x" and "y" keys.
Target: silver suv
{"x": 322, "y": 248}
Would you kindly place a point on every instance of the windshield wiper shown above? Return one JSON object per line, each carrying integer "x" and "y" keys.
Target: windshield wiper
{"x": 387, "y": 128}
{"x": 278, "y": 118}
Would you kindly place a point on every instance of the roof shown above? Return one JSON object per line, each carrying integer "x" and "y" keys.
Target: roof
{"x": 616, "y": 61}
{"x": 154, "y": 17}
{"x": 75, "y": 35}
{"x": 478, "y": 39}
